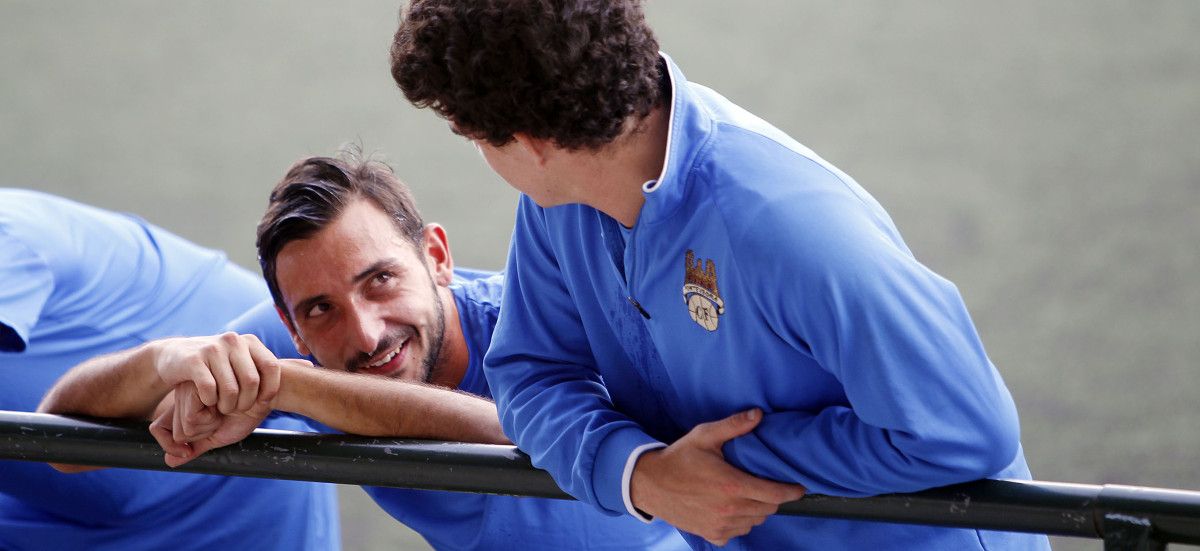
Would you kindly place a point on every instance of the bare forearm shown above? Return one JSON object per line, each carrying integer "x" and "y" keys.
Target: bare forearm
{"x": 121, "y": 385}
{"x": 376, "y": 406}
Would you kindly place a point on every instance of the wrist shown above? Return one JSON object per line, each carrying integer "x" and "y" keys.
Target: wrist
{"x": 640, "y": 481}
{"x": 150, "y": 355}
{"x": 293, "y": 377}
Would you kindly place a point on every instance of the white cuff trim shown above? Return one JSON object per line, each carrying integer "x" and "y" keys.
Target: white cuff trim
{"x": 627, "y": 476}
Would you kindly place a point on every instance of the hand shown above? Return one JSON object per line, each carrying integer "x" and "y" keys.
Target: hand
{"x": 188, "y": 428}
{"x": 690, "y": 486}
{"x": 229, "y": 371}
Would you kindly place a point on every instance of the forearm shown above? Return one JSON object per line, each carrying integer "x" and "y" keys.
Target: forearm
{"x": 835, "y": 452}
{"x": 376, "y": 406}
{"x": 120, "y": 385}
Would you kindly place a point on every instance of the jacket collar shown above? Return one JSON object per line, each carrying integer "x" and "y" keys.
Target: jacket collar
{"x": 689, "y": 125}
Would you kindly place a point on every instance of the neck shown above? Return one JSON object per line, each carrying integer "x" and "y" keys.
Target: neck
{"x": 454, "y": 358}
{"x": 615, "y": 173}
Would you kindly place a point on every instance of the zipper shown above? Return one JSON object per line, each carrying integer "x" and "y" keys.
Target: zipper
{"x": 630, "y": 253}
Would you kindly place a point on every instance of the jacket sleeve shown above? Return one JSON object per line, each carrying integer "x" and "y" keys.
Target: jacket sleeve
{"x": 550, "y": 396}
{"x": 925, "y": 406}
{"x": 263, "y": 322}
{"x": 25, "y": 285}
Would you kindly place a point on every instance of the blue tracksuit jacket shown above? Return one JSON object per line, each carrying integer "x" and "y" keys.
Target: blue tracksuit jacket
{"x": 757, "y": 275}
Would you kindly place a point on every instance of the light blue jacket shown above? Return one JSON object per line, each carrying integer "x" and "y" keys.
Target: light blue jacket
{"x": 757, "y": 275}
{"x": 75, "y": 282}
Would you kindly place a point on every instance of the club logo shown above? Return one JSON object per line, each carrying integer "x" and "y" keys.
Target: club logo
{"x": 700, "y": 291}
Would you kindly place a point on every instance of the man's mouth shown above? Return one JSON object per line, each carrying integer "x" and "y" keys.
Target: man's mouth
{"x": 387, "y": 363}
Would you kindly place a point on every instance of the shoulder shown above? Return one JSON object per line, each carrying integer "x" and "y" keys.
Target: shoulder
{"x": 478, "y": 295}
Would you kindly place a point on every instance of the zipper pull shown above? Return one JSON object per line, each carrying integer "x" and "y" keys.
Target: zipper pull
{"x": 638, "y": 305}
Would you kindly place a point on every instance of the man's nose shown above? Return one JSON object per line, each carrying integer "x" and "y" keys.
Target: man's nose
{"x": 366, "y": 329}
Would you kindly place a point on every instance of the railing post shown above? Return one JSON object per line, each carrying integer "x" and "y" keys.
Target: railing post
{"x": 1129, "y": 533}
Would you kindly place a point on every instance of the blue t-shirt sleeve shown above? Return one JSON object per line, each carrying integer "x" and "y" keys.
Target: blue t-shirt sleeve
{"x": 263, "y": 322}
{"x": 551, "y": 398}
{"x": 926, "y": 406}
{"x": 25, "y": 284}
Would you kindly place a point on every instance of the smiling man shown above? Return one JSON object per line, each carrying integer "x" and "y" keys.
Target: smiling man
{"x": 364, "y": 287}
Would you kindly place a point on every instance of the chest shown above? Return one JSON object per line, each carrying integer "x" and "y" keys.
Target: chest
{"x": 676, "y": 299}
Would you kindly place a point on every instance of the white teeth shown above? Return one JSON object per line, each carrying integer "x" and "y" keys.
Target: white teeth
{"x": 385, "y": 359}
{"x": 390, "y": 355}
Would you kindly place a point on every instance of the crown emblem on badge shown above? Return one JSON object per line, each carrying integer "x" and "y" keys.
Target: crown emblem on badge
{"x": 700, "y": 291}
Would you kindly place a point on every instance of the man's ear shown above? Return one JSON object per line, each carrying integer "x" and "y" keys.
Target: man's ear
{"x": 296, "y": 340}
{"x": 436, "y": 249}
{"x": 537, "y": 149}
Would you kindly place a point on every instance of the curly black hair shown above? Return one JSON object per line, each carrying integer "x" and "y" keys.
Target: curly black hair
{"x": 571, "y": 71}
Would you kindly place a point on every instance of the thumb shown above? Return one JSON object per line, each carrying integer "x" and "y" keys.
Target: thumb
{"x": 716, "y": 433}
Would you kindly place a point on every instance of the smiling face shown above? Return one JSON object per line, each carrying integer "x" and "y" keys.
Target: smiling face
{"x": 362, "y": 298}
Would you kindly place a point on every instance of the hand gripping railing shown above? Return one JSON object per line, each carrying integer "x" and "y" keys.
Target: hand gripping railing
{"x": 1125, "y": 517}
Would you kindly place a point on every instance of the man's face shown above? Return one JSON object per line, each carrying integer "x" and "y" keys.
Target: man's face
{"x": 518, "y": 166}
{"x": 363, "y": 298}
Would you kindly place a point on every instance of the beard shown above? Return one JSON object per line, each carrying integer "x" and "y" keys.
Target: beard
{"x": 431, "y": 365}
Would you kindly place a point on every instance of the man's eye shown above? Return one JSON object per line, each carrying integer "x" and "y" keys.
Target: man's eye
{"x": 384, "y": 277}
{"x": 317, "y": 310}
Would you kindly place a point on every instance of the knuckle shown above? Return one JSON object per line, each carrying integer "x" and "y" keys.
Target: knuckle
{"x": 228, "y": 385}
{"x": 229, "y": 337}
{"x": 209, "y": 349}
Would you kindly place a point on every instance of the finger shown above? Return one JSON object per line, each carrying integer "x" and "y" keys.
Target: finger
{"x": 160, "y": 430}
{"x": 177, "y": 431}
{"x": 746, "y": 522}
{"x": 721, "y": 537}
{"x": 201, "y": 423}
{"x": 204, "y": 422}
{"x": 206, "y": 384}
{"x": 246, "y": 372}
{"x": 269, "y": 369}
{"x": 217, "y": 358}
{"x": 204, "y": 445}
{"x": 749, "y": 509}
{"x": 716, "y": 433}
{"x": 185, "y": 404}
{"x": 768, "y": 491}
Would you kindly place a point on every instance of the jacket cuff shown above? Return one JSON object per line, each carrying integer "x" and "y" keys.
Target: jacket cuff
{"x": 627, "y": 476}
{"x": 613, "y": 468}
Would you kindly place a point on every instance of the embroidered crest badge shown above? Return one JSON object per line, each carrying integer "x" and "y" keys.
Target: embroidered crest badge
{"x": 700, "y": 291}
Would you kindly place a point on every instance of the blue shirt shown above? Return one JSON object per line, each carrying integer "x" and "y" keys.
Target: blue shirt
{"x": 756, "y": 275}
{"x": 75, "y": 282}
{"x": 452, "y": 520}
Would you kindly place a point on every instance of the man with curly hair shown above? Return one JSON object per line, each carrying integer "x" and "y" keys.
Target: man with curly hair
{"x": 704, "y": 319}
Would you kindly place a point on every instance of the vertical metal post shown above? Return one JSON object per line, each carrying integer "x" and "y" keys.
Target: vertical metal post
{"x": 1129, "y": 533}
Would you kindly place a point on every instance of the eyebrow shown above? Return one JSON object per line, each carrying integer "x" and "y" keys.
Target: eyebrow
{"x": 387, "y": 263}
{"x": 376, "y": 267}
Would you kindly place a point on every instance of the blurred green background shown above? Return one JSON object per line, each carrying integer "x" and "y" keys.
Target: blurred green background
{"x": 1044, "y": 156}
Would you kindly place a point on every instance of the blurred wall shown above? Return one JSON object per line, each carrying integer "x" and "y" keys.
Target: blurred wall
{"x": 1043, "y": 156}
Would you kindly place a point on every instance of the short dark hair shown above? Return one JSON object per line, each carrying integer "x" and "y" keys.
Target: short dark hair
{"x": 567, "y": 70}
{"x": 316, "y": 190}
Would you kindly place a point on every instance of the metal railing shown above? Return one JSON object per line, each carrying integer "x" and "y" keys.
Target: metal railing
{"x": 1125, "y": 517}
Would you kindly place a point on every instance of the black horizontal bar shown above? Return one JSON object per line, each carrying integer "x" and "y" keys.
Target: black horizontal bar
{"x": 1011, "y": 505}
